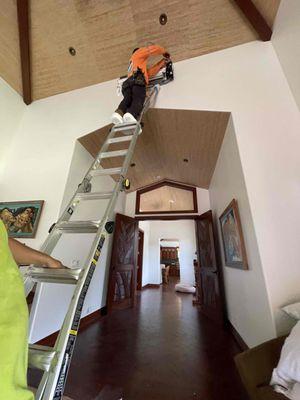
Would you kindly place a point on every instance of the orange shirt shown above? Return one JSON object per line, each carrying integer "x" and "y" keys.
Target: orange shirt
{"x": 139, "y": 60}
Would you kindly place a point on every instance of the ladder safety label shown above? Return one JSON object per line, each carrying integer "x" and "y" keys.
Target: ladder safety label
{"x": 72, "y": 332}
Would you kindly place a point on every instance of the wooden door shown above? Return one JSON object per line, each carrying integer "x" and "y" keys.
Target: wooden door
{"x": 122, "y": 278}
{"x": 140, "y": 260}
{"x": 209, "y": 299}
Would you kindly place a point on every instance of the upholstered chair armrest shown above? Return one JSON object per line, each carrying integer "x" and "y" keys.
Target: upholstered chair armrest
{"x": 256, "y": 365}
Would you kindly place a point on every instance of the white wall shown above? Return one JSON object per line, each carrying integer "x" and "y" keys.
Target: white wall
{"x": 169, "y": 244}
{"x": 37, "y": 164}
{"x": 41, "y": 154}
{"x": 247, "y": 302}
{"x": 285, "y": 39}
{"x": 51, "y": 301}
{"x": 130, "y": 204}
{"x": 145, "y": 226}
{"x": 11, "y": 111}
{"x": 248, "y": 81}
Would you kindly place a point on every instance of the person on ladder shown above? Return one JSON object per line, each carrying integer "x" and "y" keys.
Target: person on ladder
{"x": 134, "y": 88}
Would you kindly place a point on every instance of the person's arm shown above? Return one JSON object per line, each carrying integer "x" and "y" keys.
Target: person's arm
{"x": 155, "y": 50}
{"x": 25, "y": 255}
{"x": 152, "y": 71}
{"x": 145, "y": 52}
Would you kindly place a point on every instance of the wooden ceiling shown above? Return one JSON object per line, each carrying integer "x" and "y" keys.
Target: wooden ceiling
{"x": 169, "y": 137}
{"x": 104, "y": 32}
{"x": 10, "y": 65}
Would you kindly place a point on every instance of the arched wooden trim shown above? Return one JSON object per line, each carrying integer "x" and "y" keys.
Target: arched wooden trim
{"x": 166, "y": 182}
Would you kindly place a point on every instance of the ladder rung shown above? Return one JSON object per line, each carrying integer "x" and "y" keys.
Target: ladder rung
{"x": 120, "y": 139}
{"x": 78, "y": 226}
{"x": 40, "y": 357}
{"x": 93, "y": 196}
{"x": 52, "y": 275}
{"x": 106, "y": 171}
{"x": 124, "y": 127}
{"x": 115, "y": 153}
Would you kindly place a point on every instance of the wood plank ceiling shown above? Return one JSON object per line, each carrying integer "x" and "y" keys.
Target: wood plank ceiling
{"x": 104, "y": 32}
{"x": 10, "y": 64}
{"x": 169, "y": 137}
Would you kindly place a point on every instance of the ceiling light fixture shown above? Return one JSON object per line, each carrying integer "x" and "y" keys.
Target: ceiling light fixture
{"x": 163, "y": 19}
{"x": 72, "y": 51}
{"x": 171, "y": 201}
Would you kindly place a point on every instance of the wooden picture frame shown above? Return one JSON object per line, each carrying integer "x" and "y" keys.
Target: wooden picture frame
{"x": 169, "y": 183}
{"x": 232, "y": 237}
{"x": 21, "y": 218}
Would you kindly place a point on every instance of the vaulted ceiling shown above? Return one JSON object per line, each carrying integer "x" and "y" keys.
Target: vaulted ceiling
{"x": 180, "y": 145}
{"x": 104, "y": 32}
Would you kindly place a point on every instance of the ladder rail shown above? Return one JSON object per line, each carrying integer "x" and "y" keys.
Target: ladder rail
{"x": 52, "y": 384}
{"x": 54, "y": 236}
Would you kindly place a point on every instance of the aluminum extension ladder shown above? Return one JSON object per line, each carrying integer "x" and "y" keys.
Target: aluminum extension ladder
{"x": 55, "y": 362}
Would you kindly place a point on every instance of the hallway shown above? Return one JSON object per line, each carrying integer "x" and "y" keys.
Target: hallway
{"x": 163, "y": 349}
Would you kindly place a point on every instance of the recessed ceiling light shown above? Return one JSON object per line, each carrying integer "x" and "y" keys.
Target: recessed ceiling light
{"x": 72, "y": 51}
{"x": 158, "y": 176}
{"x": 185, "y": 160}
{"x": 163, "y": 19}
{"x": 171, "y": 201}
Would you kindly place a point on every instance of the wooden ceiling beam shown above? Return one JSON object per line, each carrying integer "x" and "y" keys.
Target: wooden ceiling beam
{"x": 255, "y": 18}
{"x": 23, "y": 24}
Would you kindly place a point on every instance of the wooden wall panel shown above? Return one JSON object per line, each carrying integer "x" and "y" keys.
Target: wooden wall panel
{"x": 10, "y": 65}
{"x": 168, "y": 137}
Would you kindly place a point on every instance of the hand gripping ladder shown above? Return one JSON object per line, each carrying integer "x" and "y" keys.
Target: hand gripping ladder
{"x": 55, "y": 362}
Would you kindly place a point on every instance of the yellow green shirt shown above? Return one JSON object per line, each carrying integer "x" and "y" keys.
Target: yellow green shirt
{"x": 13, "y": 327}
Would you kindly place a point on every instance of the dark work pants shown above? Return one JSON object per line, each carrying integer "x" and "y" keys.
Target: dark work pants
{"x": 134, "y": 98}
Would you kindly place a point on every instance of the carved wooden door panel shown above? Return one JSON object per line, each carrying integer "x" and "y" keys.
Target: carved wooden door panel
{"x": 209, "y": 298}
{"x": 139, "y": 273}
{"x": 122, "y": 277}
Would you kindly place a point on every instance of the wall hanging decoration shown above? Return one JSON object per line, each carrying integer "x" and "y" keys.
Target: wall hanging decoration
{"x": 232, "y": 235}
{"x": 21, "y": 218}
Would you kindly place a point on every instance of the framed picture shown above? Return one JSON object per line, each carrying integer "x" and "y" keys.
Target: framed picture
{"x": 21, "y": 218}
{"x": 232, "y": 235}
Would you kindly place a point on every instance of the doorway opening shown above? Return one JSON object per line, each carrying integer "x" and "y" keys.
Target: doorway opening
{"x": 169, "y": 260}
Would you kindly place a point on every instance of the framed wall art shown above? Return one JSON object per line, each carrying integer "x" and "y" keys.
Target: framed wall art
{"x": 232, "y": 236}
{"x": 21, "y": 218}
